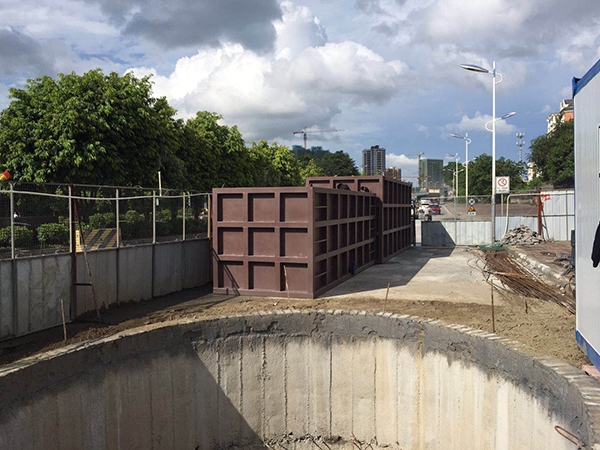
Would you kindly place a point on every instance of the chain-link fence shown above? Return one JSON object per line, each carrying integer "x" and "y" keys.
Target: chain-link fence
{"x": 37, "y": 219}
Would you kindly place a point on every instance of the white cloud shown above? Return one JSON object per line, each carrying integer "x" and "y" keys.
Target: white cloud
{"x": 422, "y": 129}
{"x": 268, "y": 97}
{"x": 297, "y": 30}
{"x": 477, "y": 123}
{"x": 393, "y": 160}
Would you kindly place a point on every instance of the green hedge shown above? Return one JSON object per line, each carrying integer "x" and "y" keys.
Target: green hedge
{"x": 53, "y": 234}
{"x": 103, "y": 220}
{"x": 135, "y": 226}
{"x": 23, "y": 237}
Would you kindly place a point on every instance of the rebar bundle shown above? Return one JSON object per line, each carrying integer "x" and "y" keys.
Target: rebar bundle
{"x": 515, "y": 277}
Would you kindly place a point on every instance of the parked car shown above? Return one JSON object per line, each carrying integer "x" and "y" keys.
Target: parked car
{"x": 435, "y": 208}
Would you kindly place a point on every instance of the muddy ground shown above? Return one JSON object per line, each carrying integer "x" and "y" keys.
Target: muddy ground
{"x": 546, "y": 329}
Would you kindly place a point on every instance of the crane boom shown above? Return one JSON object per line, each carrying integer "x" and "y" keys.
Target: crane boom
{"x": 306, "y": 131}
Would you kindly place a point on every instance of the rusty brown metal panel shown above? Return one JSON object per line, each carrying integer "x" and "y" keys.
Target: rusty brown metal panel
{"x": 261, "y": 239}
{"x": 393, "y": 211}
{"x": 268, "y": 241}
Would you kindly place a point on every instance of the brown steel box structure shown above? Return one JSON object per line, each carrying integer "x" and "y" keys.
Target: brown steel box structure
{"x": 296, "y": 241}
{"x": 394, "y": 218}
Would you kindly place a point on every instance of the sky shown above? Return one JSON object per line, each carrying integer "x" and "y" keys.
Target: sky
{"x": 381, "y": 72}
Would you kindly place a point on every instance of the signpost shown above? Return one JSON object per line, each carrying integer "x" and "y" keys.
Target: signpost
{"x": 471, "y": 211}
{"x": 502, "y": 185}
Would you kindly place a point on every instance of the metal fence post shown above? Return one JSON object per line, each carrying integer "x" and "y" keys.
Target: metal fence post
{"x": 12, "y": 221}
{"x": 154, "y": 217}
{"x": 183, "y": 214}
{"x": 117, "y": 218}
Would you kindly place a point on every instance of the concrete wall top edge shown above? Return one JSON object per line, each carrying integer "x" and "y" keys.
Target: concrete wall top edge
{"x": 556, "y": 384}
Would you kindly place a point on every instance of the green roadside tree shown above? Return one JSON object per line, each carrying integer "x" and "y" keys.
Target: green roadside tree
{"x": 553, "y": 156}
{"x": 217, "y": 154}
{"x": 92, "y": 129}
{"x": 480, "y": 175}
{"x": 310, "y": 168}
{"x": 338, "y": 163}
{"x": 274, "y": 165}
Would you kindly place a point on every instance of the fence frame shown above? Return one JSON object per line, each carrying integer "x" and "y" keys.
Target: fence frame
{"x": 31, "y": 284}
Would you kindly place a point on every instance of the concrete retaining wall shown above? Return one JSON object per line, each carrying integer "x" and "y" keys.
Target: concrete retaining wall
{"x": 31, "y": 288}
{"x": 295, "y": 379}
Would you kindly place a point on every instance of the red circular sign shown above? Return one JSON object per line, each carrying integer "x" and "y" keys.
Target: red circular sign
{"x": 502, "y": 182}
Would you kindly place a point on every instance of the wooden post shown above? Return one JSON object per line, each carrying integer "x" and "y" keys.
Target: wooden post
{"x": 538, "y": 201}
{"x": 64, "y": 322}
{"x": 493, "y": 317}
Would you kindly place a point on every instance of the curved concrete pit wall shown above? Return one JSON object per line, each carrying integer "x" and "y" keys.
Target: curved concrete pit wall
{"x": 301, "y": 380}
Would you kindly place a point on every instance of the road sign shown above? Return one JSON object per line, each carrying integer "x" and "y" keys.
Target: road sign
{"x": 502, "y": 185}
{"x": 471, "y": 201}
{"x": 471, "y": 211}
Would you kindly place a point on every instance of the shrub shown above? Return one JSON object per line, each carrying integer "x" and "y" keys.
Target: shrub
{"x": 23, "y": 237}
{"x": 135, "y": 226}
{"x": 103, "y": 220}
{"x": 53, "y": 234}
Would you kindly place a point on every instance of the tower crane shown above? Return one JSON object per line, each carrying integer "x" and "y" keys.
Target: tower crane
{"x": 306, "y": 131}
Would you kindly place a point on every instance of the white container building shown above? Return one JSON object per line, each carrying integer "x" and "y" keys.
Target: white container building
{"x": 586, "y": 95}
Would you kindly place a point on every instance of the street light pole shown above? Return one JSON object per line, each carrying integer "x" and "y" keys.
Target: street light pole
{"x": 455, "y": 182}
{"x": 494, "y": 153}
{"x": 493, "y": 130}
{"x": 467, "y": 142}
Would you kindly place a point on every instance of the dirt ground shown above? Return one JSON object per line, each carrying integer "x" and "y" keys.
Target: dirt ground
{"x": 546, "y": 329}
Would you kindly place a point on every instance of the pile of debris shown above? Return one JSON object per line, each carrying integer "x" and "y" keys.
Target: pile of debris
{"x": 522, "y": 235}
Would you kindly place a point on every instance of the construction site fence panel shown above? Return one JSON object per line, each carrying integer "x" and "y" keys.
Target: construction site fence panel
{"x": 138, "y": 245}
{"x": 548, "y": 212}
{"x": 31, "y": 289}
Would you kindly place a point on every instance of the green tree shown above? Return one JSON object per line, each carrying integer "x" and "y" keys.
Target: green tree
{"x": 274, "y": 165}
{"x": 215, "y": 155}
{"x": 480, "y": 175}
{"x": 94, "y": 129}
{"x": 553, "y": 155}
{"x": 338, "y": 163}
{"x": 310, "y": 168}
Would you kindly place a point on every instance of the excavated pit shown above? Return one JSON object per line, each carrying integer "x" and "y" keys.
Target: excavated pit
{"x": 296, "y": 380}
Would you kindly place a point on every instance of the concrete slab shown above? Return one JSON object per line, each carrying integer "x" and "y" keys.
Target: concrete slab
{"x": 422, "y": 273}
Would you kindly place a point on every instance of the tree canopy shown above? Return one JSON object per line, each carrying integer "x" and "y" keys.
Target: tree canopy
{"x": 553, "y": 155}
{"x": 480, "y": 175}
{"x": 88, "y": 129}
{"x": 338, "y": 163}
{"x": 110, "y": 130}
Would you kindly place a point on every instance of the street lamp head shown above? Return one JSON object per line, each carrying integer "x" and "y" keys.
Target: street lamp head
{"x": 457, "y": 136}
{"x": 506, "y": 116}
{"x": 474, "y": 68}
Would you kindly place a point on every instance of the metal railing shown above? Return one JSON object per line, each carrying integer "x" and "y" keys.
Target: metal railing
{"x": 38, "y": 219}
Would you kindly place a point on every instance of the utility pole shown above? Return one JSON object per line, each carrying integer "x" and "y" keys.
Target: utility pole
{"x": 520, "y": 144}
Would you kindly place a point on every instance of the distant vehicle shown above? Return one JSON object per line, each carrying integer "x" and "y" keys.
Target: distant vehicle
{"x": 435, "y": 209}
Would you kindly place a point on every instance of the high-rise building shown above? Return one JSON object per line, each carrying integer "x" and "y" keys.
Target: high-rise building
{"x": 393, "y": 172}
{"x": 564, "y": 115}
{"x": 430, "y": 174}
{"x": 374, "y": 161}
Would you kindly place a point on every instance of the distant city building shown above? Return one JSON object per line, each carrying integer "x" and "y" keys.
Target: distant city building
{"x": 393, "y": 172}
{"x": 564, "y": 115}
{"x": 374, "y": 161}
{"x": 316, "y": 152}
{"x": 430, "y": 174}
